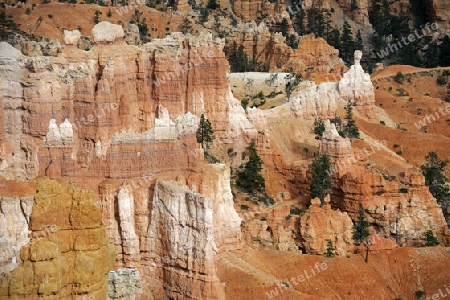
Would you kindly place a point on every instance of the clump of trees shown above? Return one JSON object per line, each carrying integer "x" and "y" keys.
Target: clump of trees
{"x": 97, "y": 14}
{"x": 186, "y": 26}
{"x": 7, "y": 25}
{"x": 319, "y": 128}
{"x": 239, "y": 60}
{"x": 205, "y": 133}
{"x": 348, "y": 129}
{"x": 433, "y": 171}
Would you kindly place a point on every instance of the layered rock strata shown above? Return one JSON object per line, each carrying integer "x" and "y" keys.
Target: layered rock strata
{"x": 124, "y": 284}
{"x": 118, "y": 117}
{"x": 273, "y": 231}
{"x": 118, "y": 100}
{"x": 318, "y": 225}
{"x": 171, "y": 232}
{"x": 315, "y": 100}
{"x": 69, "y": 255}
{"x": 403, "y": 216}
{"x": 357, "y": 88}
{"x": 270, "y": 49}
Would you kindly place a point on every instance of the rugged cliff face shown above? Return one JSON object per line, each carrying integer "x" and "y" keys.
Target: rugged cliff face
{"x": 271, "y": 50}
{"x": 122, "y": 119}
{"x": 130, "y": 114}
{"x": 406, "y": 216}
{"x": 118, "y": 99}
{"x": 68, "y": 255}
{"x": 322, "y": 224}
{"x": 172, "y": 233}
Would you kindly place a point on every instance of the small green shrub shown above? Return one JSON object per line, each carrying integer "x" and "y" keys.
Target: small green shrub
{"x": 420, "y": 294}
{"x": 266, "y": 200}
{"x": 441, "y": 80}
{"x": 403, "y": 190}
{"x": 244, "y": 103}
{"x": 382, "y": 123}
{"x": 295, "y": 210}
{"x": 244, "y": 207}
{"x": 399, "y": 78}
{"x": 430, "y": 239}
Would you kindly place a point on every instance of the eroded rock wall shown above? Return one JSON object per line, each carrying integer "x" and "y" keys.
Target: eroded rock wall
{"x": 173, "y": 231}
{"x": 108, "y": 102}
{"x": 320, "y": 224}
{"x": 69, "y": 255}
{"x": 271, "y": 50}
{"x": 404, "y": 216}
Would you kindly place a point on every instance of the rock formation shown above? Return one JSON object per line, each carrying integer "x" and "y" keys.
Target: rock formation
{"x": 68, "y": 254}
{"x": 115, "y": 119}
{"x": 315, "y": 100}
{"x": 356, "y": 87}
{"x": 273, "y": 231}
{"x": 61, "y": 136}
{"x": 14, "y": 218}
{"x": 182, "y": 230}
{"x": 405, "y": 216}
{"x": 320, "y": 224}
{"x": 338, "y": 149}
{"x": 333, "y": 144}
{"x": 124, "y": 284}
{"x": 102, "y": 96}
{"x": 132, "y": 36}
{"x": 272, "y": 51}
{"x": 248, "y": 10}
{"x": 104, "y": 32}
{"x": 72, "y": 37}
{"x": 162, "y": 228}
{"x": 441, "y": 12}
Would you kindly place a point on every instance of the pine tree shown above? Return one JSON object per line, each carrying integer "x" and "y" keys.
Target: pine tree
{"x": 361, "y": 227}
{"x": 430, "y": 239}
{"x": 330, "y": 248}
{"x": 347, "y": 43}
{"x": 334, "y": 38}
{"x": 284, "y": 27}
{"x": 350, "y": 130}
{"x": 186, "y": 26}
{"x": 319, "y": 128}
{"x": 205, "y": 133}
{"x": 358, "y": 41}
{"x": 320, "y": 184}
{"x": 212, "y": 4}
{"x": 431, "y": 55}
{"x": 97, "y": 14}
{"x": 250, "y": 177}
{"x": 444, "y": 50}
